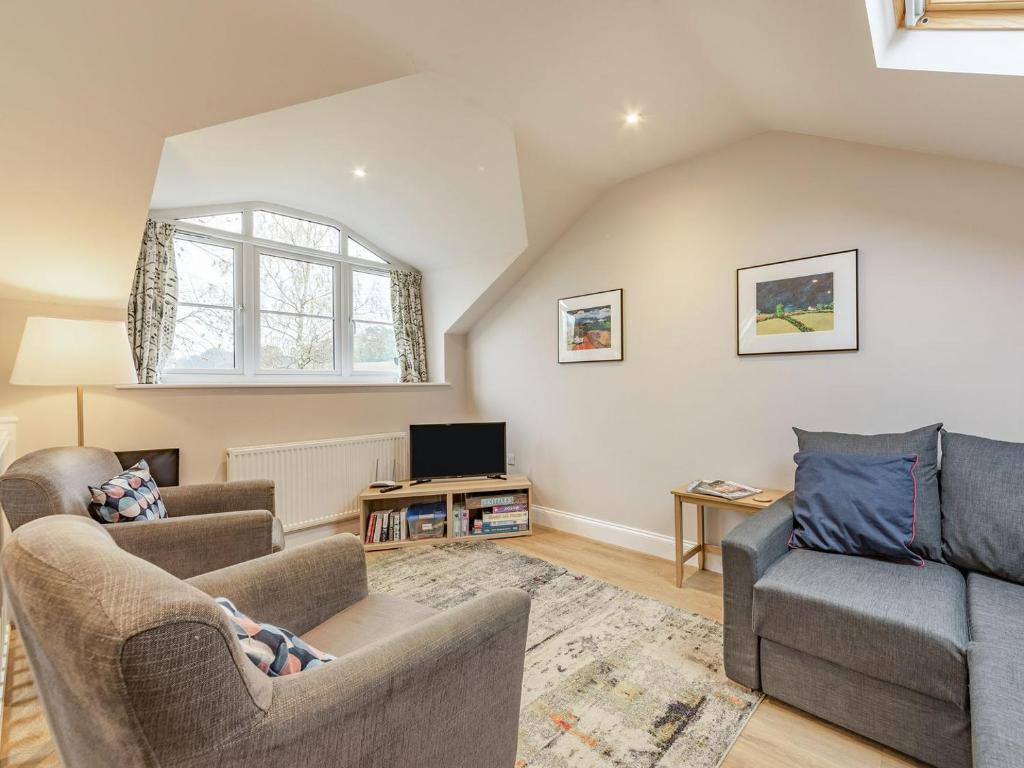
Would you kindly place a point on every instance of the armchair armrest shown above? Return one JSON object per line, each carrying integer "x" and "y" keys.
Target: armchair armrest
{"x": 444, "y": 692}
{"x": 747, "y": 552}
{"x": 298, "y": 588}
{"x": 186, "y": 546}
{"x": 214, "y": 498}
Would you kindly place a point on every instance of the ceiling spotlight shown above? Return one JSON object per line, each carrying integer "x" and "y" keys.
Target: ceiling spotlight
{"x": 359, "y": 173}
{"x": 633, "y": 118}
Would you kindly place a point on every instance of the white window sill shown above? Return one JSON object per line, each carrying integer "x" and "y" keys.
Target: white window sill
{"x": 348, "y": 384}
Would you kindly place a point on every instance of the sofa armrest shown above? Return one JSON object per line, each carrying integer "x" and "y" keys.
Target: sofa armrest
{"x": 747, "y": 552}
{"x": 186, "y": 546}
{"x": 298, "y": 588}
{"x": 445, "y": 692}
{"x": 213, "y": 498}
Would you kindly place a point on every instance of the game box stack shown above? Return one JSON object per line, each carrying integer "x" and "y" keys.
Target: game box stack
{"x": 505, "y": 513}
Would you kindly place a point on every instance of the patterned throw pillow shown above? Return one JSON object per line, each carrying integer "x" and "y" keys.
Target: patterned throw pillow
{"x": 132, "y": 495}
{"x": 274, "y": 650}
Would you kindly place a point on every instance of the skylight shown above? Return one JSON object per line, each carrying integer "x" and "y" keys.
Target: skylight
{"x": 960, "y": 14}
{"x": 968, "y": 40}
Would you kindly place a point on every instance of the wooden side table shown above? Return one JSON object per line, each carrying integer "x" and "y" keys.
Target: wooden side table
{"x": 682, "y": 496}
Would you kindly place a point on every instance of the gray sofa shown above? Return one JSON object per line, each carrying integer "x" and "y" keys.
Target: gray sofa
{"x": 208, "y": 526}
{"x": 135, "y": 667}
{"x": 929, "y": 660}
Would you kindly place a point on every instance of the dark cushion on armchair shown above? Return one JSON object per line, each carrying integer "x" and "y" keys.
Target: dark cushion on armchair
{"x": 898, "y": 623}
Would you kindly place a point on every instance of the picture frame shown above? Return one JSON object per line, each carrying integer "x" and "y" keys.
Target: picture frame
{"x": 590, "y": 327}
{"x": 807, "y": 304}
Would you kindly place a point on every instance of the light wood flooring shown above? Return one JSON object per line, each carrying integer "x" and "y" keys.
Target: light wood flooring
{"x": 776, "y": 736}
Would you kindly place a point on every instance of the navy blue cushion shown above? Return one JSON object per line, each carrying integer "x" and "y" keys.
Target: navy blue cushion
{"x": 853, "y": 504}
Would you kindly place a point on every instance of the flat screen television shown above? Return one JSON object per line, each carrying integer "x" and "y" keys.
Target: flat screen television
{"x": 456, "y": 450}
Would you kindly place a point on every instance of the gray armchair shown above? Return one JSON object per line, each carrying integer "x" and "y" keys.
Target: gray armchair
{"x": 136, "y": 667}
{"x": 208, "y": 526}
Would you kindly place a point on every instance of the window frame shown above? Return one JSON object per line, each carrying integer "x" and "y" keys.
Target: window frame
{"x": 979, "y": 15}
{"x": 247, "y": 310}
{"x": 380, "y": 270}
{"x": 238, "y": 286}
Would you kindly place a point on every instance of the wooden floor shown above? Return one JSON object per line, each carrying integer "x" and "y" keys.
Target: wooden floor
{"x": 777, "y": 736}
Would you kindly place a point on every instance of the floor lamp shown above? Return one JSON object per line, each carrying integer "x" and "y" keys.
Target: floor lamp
{"x": 74, "y": 353}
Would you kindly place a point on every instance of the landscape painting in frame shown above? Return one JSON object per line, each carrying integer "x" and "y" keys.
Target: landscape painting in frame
{"x": 590, "y": 327}
{"x": 800, "y": 305}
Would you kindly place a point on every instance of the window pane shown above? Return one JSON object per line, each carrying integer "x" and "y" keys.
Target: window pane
{"x": 371, "y": 297}
{"x": 357, "y": 251}
{"x": 288, "y": 342}
{"x": 204, "y": 339}
{"x": 288, "y": 229}
{"x": 229, "y": 222}
{"x": 373, "y": 348}
{"x": 293, "y": 285}
{"x": 206, "y": 272}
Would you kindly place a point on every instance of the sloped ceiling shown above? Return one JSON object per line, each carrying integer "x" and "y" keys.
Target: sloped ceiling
{"x": 442, "y": 183}
{"x": 92, "y": 90}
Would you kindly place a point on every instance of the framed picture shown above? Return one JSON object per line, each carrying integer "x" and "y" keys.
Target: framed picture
{"x": 800, "y": 305}
{"x": 590, "y": 327}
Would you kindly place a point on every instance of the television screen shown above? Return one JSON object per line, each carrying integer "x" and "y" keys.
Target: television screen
{"x": 456, "y": 450}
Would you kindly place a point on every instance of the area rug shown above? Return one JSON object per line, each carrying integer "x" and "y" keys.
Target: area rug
{"x": 612, "y": 678}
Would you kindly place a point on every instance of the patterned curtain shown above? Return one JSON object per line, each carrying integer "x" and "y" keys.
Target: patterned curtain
{"x": 407, "y": 309}
{"x": 153, "y": 307}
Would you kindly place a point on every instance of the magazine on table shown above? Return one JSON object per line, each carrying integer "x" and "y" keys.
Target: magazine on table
{"x": 724, "y": 489}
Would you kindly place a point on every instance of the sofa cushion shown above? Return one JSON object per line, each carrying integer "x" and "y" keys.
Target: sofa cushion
{"x": 851, "y": 504}
{"x": 983, "y": 505}
{"x": 997, "y": 709}
{"x": 995, "y": 609}
{"x": 363, "y": 623}
{"x": 130, "y": 496}
{"x": 275, "y": 651}
{"x": 897, "y": 623}
{"x": 921, "y": 442}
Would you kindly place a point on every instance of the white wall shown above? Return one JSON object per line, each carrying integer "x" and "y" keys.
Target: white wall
{"x": 205, "y": 422}
{"x": 941, "y": 278}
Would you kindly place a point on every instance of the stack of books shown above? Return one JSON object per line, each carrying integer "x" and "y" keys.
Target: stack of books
{"x": 386, "y": 525}
{"x": 508, "y": 513}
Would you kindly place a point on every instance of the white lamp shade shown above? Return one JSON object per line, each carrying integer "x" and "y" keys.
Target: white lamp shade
{"x": 57, "y": 352}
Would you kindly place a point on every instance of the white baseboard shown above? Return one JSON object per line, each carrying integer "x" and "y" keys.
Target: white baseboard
{"x": 637, "y": 539}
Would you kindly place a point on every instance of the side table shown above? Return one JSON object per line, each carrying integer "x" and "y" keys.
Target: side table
{"x": 682, "y": 496}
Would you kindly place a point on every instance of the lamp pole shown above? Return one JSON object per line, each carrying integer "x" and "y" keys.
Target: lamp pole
{"x": 81, "y": 420}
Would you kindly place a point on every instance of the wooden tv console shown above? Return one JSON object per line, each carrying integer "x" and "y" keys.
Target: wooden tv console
{"x": 372, "y": 500}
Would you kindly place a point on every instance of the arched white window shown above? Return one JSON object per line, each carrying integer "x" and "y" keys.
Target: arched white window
{"x": 267, "y": 293}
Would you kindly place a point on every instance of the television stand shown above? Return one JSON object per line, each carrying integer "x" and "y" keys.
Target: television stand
{"x": 476, "y": 495}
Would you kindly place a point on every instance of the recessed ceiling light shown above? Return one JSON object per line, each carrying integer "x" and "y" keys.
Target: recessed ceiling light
{"x": 359, "y": 173}
{"x": 633, "y": 118}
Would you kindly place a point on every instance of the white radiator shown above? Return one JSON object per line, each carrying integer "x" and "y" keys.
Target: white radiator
{"x": 318, "y": 482}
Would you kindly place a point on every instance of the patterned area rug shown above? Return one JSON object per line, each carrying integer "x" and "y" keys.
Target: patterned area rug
{"x": 612, "y": 679}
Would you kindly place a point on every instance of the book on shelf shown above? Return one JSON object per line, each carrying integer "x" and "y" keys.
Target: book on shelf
{"x": 724, "y": 489}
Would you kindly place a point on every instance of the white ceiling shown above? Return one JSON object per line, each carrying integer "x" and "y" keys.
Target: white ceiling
{"x": 97, "y": 87}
